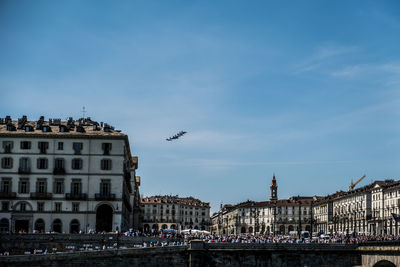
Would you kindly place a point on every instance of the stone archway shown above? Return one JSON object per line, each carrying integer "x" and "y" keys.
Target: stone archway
{"x": 104, "y": 218}
{"x": 74, "y": 227}
{"x": 384, "y": 263}
{"x": 146, "y": 228}
{"x": 173, "y": 226}
{"x": 155, "y": 227}
{"x": 57, "y": 226}
{"x": 250, "y": 230}
{"x": 243, "y": 230}
{"x": 282, "y": 229}
{"x": 39, "y": 225}
{"x": 291, "y": 228}
{"x": 164, "y": 226}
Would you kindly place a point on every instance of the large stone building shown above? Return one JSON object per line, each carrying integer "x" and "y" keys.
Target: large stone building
{"x": 365, "y": 210}
{"x": 274, "y": 216}
{"x": 66, "y": 176}
{"x": 173, "y": 212}
{"x": 385, "y": 198}
{"x": 323, "y": 213}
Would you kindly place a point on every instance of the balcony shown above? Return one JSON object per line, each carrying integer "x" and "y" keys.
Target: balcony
{"x": 37, "y": 195}
{"x": 7, "y": 195}
{"x": 71, "y": 196}
{"x": 104, "y": 196}
{"x": 24, "y": 170}
{"x": 59, "y": 171}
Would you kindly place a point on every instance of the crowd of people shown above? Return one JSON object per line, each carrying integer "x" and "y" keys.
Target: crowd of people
{"x": 263, "y": 238}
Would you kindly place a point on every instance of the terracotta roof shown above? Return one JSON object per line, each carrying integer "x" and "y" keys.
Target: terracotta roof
{"x": 369, "y": 187}
{"x": 190, "y": 201}
{"x": 291, "y": 202}
{"x": 330, "y": 197}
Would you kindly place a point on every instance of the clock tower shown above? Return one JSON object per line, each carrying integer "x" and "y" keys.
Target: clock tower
{"x": 274, "y": 190}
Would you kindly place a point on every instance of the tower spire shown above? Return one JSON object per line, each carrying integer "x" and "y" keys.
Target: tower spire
{"x": 273, "y": 189}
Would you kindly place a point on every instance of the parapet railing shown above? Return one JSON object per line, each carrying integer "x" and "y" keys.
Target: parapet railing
{"x": 280, "y": 246}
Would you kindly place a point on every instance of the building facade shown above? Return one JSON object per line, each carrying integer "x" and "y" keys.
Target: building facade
{"x": 365, "y": 210}
{"x": 65, "y": 176}
{"x": 385, "y": 197}
{"x": 173, "y": 212}
{"x": 279, "y": 216}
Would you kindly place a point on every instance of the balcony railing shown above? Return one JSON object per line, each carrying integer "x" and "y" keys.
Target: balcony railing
{"x": 100, "y": 196}
{"x": 38, "y": 195}
{"x": 24, "y": 170}
{"x": 71, "y": 196}
{"x": 7, "y": 195}
{"x": 59, "y": 171}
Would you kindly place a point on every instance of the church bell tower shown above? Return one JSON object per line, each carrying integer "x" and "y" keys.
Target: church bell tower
{"x": 274, "y": 190}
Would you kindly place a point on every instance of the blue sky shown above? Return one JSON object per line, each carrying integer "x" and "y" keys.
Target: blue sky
{"x": 308, "y": 90}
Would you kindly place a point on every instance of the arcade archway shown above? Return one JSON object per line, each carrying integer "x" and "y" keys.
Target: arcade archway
{"x": 104, "y": 218}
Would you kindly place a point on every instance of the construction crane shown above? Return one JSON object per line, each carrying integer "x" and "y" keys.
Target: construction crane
{"x": 351, "y": 187}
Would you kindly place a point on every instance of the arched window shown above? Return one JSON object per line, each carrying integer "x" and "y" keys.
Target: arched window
{"x": 243, "y": 230}
{"x": 74, "y": 227}
{"x": 384, "y": 263}
{"x": 4, "y": 225}
{"x": 250, "y": 230}
{"x": 164, "y": 226}
{"x": 57, "y": 226}
{"x": 39, "y": 225}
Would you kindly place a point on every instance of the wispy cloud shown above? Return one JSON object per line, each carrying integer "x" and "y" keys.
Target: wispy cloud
{"x": 357, "y": 70}
{"x": 322, "y": 56}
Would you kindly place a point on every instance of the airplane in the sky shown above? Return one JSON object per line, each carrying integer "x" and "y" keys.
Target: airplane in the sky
{"x": 176, "y": 136}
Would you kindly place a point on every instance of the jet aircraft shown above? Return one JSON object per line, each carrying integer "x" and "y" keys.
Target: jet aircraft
{"x": 176, "y": 136}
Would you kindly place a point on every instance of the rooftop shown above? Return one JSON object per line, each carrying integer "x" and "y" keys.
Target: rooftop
{"x": 174, "y": 200}
{"x": 70, "y": 127}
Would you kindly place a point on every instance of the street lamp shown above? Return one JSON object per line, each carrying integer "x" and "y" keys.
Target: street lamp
{"x": 274, "y": 213}
{"x": 255, "y": 214}
{"x": 237, "y": 219}
{"x": 299, "y": 227}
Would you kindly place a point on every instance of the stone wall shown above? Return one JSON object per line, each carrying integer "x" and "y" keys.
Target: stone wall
{"x": 18, "y": 244}
{"x": 159, "y": 256}
{"x": 199, "y": 253}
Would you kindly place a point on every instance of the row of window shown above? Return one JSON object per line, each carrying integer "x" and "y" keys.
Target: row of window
{"x": 42, "y": 164}
{"x": 5, "y": 206}
{"x": 43, "y": 146}
{"x": 173, "y": 207}
{"x": 173, "y": 212}
{"x": 58, "y": 186}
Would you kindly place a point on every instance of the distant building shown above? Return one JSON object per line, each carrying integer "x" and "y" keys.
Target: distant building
{"x": 173, "y": 212}
{"x": 364, "y": 210}
{"x": 65, "y": 176}
{"x": 275, "y": 216}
